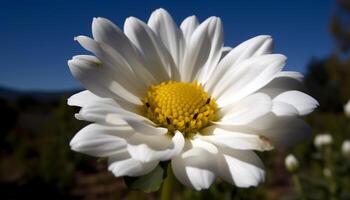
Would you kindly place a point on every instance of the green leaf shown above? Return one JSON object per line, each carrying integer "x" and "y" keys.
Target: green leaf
{"x": 102, "y": 159}
{"x": 150, "y": 182}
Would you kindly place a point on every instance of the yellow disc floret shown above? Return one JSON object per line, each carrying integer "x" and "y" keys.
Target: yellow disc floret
{"x": 185, "y": 107}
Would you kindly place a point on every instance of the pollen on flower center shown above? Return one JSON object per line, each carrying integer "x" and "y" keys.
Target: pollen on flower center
{"x": 179, "y": 106}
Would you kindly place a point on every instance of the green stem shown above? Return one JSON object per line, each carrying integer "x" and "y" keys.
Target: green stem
{"x": 328, "y": 163}
{"x": 166, "y": 190}
{"x": 140, "y": 195}
{"x": 298, "y": 186}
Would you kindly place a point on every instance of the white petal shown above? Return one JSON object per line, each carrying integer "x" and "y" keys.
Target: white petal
{"x": 98, "y": 111}
{"x": 150, "y": 148}
{"x": 158, "y": 60}
{"x": 121, "y": 164}
{"x": 139, "y": 123}
{"x": 197, "y": 142}
{"x": 200, "y": 178}
{"x": 283, "y": 109}
{"x": 203, "y": 51}
{"x": 304, "y": 103}
{"x": 283, "y": 81}
{"x": 87, "y": 70}
{"x": 256, "y": 46}
{"x": 114, "y": 65}
{"x": 246, "y": 110}
{"x": 99, "y": 140}
{"x": 241, "y": 168}
{"x": 286, "y": 131}
{"x": 85, "y": 98}
{"x": 165, "y": 28}
{"x": 291, "y": 74}
{"x": 248, "y": 77}
{"x": 282, "y": 131}
{"x": 196, "y": 171}
{"x": 108, "y": 33}
{"x": 225, "y": 51}
{"x": 188, "y": 26}
{"x": 236, "y": 140}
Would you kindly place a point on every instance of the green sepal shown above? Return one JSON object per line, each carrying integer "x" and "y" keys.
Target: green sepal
{"x": 150, "y": 182}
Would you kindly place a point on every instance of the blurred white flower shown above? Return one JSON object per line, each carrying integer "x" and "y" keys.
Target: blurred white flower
{"x": 327, "y": 172}
{"x": 345, "y": 148}
{"x": 322, "y": 140}
{"x": 157, "y": 92}
{"x": 291, "y": 163}
{"x": 347, "y": 109}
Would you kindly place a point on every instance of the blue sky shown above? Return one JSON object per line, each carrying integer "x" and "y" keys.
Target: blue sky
{"x": 37, "y": 36}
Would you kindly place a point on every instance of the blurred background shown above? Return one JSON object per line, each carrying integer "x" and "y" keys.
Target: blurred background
{"x": 36, "y": 124}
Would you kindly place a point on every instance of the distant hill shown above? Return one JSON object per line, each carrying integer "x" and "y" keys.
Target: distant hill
{"x": 40, "y": 95}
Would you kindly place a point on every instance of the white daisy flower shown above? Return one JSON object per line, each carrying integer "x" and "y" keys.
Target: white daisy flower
{"x": 347, "y": 109}
{"x": 327, "y": 172}
{"x": 291, "y": 163}
{"x": 159, "y": 92}
{"x": 322, "y": 140}
{"x": 345, "y": 148}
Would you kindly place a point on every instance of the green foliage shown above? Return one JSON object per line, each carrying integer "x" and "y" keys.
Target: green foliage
{"x": 328, "y": 79}
{"x": 314, "y": 161}
{"x": 338, "y": 26}
{"x": 150, "y": 182}
{"x": 320, "y": 86}
{"x": 38, "y": 146}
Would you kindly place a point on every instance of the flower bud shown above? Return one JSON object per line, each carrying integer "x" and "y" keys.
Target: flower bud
{"x": 347, "y": 109}
{"x": 345, "y": 148}
{"x": 291, "y": 163}
{"x": 327, "y": 172}
{"x": 322, "y": 140}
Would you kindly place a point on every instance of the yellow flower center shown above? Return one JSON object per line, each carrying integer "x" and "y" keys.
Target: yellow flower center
{"x": 185, "y": 107}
